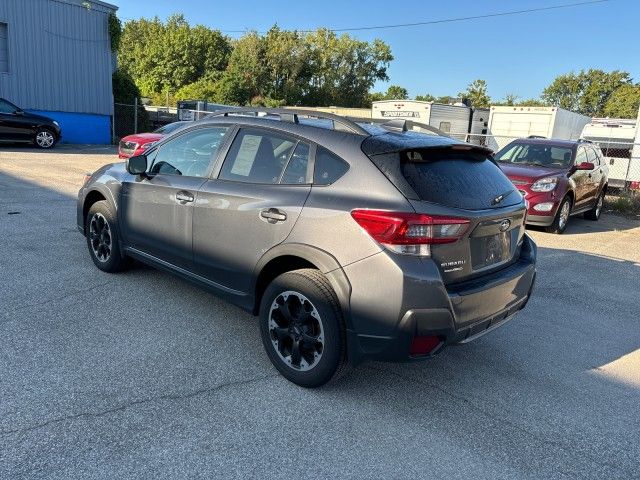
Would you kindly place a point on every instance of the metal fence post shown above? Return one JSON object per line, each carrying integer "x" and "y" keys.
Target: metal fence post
{"x": 135, "y": 116}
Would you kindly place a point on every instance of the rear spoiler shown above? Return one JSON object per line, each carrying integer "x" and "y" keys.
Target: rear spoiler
{"x": 409, "y": 140}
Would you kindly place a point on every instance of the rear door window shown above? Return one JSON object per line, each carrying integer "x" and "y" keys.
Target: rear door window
{"x": 458, "y": 180}
{"x": 258, "y": 156}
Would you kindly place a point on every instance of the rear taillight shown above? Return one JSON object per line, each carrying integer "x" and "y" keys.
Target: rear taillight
{"x": 410, "y": 233}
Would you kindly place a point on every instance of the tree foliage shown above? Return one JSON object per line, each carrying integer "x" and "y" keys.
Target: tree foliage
{"x": 476, "y": 92}
{"x": 315, "y": 68}
{"x": 623, "y": 102}
{"x": 169, "y": 55}
{"x": 394, "y": 92}
{"x": 586, "y": 92}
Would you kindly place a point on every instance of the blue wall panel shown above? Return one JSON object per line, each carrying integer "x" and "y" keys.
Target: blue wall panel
{"x": 81, "y": 127}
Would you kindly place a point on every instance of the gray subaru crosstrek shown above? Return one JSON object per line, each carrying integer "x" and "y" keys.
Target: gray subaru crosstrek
{"x": 350, "y": 240}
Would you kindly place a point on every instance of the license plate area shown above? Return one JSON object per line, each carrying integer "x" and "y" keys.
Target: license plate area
{"x": 490, "y": 250}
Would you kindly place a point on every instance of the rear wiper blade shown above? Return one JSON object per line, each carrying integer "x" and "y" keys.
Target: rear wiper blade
{"x": 501, "y": 197}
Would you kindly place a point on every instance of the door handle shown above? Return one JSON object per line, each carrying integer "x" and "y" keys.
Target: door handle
{"x": 184, "y": 197}
{"x": 273, "y": 215}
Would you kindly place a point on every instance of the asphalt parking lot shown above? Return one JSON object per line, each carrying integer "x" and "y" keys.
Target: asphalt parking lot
{"x": 141, "y": 375}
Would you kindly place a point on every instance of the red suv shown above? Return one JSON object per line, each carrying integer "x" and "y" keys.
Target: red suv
{"x": 557, "y": 178}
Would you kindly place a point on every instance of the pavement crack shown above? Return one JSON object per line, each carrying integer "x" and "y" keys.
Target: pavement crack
{"x": 135, "y": 403}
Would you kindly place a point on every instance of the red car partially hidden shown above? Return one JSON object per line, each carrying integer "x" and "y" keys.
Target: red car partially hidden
{"x": 557, "y": 178}
{"x": 137, "y": 143}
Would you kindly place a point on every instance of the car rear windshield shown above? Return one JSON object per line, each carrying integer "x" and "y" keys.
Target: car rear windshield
{"x": 457, "y": 179}
{"x": 542, "y": 155}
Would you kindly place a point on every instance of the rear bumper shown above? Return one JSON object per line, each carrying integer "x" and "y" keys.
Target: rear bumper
{"x": 457, "y": 314}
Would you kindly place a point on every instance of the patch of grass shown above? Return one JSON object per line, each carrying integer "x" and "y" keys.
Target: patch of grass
{"x": 623, "y": 203}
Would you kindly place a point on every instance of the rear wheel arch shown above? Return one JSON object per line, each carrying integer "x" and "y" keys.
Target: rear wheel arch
{"x": 288, "y": 257}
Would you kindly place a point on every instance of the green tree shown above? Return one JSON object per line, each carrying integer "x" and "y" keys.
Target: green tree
{"x": 586, "y": 92}
{"x": 286, "y": 58}
{"x": 623, "y": 102}
{"x": 425, "y": 98}
{"x": 343, "y": 69}
{"x": 532, "y": 102}
{"x": 396, "y": 92}
{"x": 205, "y": 88}
{"x": 477, "y": 93}
{"x": 162, "y": 56}
{"x": 246, "y": 75}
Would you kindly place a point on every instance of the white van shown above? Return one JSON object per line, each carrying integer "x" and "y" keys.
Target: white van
{"x": 615, "y": 136}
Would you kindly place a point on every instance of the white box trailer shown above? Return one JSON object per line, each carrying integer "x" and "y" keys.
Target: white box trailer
{"x": 507, "y": 123}
{"x": 615, "y": 137}
{"x": 456, "y": 120}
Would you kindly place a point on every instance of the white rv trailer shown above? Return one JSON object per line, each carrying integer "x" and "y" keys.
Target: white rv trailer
{"x": 457, "y": 120}
{"x": 635, "y": 155}
{"x": 507, "y": 123}
{"x": 615, "y": 136}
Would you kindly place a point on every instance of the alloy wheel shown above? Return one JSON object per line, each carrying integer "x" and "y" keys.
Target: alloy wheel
{"x": 296, "y": 331}
{"x": 45, "y": 139}
{"x": 564, "y": 214}
{"x": 100, "y": 237}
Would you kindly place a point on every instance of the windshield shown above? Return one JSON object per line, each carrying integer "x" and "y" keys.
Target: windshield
{"x": 536, "y": 154}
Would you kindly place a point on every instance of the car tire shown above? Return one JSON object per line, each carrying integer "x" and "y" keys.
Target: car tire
{"x": 561, "y": 219}
{"x": 45, "y": 138}
{"x": 594, "y": 213}
{"x": 302, "y": 328}
{"x": 101, "y": 230}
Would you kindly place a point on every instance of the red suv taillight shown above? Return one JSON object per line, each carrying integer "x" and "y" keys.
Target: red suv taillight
{"x": 410, "y": 233}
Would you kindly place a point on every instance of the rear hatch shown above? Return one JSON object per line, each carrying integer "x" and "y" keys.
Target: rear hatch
{"x": 451, "y": 179}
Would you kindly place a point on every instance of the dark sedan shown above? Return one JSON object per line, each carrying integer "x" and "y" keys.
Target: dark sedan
{"x": 18, "y": 126}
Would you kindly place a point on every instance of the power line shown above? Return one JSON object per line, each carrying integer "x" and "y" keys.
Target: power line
{"x": 448, "y": 20}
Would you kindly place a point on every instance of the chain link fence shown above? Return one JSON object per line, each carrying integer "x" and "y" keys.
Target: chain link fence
{"x": 129, "y": 119}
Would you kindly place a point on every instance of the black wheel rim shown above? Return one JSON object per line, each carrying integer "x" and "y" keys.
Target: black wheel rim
{"x": 100, "y": 237}
{"x": 295, "y": 330}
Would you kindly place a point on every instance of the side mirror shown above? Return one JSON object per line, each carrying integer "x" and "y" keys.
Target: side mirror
{"x": 585, "y": 166}
{"x": 137, "y": 165}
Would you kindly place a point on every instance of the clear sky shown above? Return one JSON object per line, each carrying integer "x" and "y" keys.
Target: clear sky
{"x": 517, "y": 54}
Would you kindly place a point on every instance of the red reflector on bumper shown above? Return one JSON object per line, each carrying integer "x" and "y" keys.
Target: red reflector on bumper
{"x": 424, "y": 345}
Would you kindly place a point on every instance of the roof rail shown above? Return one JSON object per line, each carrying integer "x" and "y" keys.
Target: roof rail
{"x": 292, "y": 115}
{"x": 536, "y": 136}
